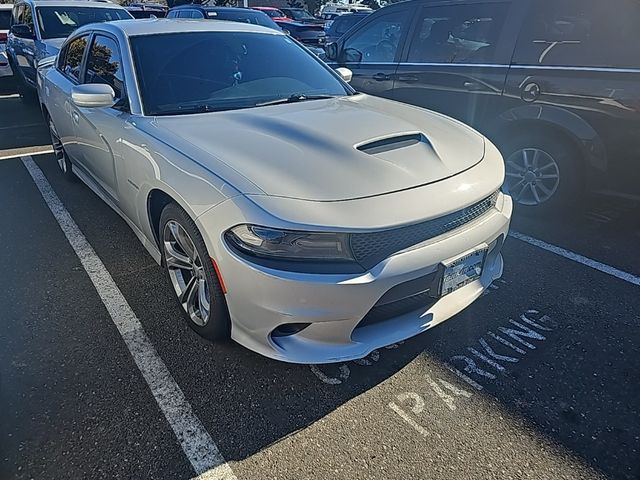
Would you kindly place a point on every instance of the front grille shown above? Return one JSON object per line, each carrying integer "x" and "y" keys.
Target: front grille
{"x": 371, "y": 248}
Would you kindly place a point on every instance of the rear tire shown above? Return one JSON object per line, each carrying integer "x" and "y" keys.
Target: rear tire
{"x": 192, "y": 275}
{"x": 543, "y": 174}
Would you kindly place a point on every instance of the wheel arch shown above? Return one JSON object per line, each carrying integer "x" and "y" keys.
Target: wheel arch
{"x": 157, "y": 200}
{"x": 551, "y": 120}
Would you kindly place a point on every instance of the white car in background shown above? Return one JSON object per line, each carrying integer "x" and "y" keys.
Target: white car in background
{"x": 308, "y": 222}
{"x": 5, "y": 20}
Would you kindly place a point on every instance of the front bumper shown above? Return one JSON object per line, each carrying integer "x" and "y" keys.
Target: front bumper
{"x": 261, "y": 299}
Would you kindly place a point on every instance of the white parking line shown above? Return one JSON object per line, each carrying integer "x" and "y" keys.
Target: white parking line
{"x": 568, "y": 254}
{"x": 197, "y": 444}
{"x": 20, "y": 155}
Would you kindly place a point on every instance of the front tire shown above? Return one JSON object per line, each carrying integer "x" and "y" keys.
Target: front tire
{"x": 543, "y": 174}
{"x": 192, "y": 275}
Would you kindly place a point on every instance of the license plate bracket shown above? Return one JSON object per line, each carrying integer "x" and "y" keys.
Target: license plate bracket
{"x": 461, "y": 271}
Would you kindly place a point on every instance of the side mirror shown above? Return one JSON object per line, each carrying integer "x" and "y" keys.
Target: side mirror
{"x": 345, "y": 74}
{"x": 351, "y": 55}
{"x": 21, "y": 30}
{"x": 331, "y": 51}
{"x": 93, "y": 95}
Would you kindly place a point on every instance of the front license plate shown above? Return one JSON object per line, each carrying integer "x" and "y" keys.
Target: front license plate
{"x": 462, "y": 271}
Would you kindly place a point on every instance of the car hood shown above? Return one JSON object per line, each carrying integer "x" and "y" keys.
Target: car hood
{"x": 327, "y": 150}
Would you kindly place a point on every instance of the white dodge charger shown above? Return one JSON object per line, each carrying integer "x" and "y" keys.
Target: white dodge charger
{"x": 306, "y": 221}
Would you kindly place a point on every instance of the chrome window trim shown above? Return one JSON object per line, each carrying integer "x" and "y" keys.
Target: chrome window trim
{"x": 518, "y": 66}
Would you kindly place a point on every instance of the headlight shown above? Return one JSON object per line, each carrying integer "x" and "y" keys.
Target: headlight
{"x": 291, "y": 245}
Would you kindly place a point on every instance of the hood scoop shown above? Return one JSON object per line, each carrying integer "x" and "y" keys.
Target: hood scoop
{"x": 393, "y": 143}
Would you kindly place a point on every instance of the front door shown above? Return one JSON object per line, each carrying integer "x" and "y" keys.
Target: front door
{"x": 456, "y": 61}
{"x": 97, "y": 129}
{"x": 372, "y": 52}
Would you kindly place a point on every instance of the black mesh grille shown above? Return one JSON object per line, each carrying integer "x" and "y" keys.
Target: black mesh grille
{"x": 371, "y": 248}
{"x": 381, "y": 313}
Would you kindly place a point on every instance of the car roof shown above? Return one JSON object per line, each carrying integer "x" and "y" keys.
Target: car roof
{"x": 154, "y": 26}
{"x": 72, "y": 3}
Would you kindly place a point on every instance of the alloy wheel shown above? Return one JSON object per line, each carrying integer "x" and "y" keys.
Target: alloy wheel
{"x": 532, "y": 176}
{"x": 186, "y": 272}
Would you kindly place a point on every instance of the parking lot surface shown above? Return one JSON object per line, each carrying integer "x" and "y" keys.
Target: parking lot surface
{"x": 537, "y": 379}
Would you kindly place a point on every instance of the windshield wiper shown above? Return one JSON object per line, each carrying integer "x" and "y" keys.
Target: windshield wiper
{"x": 199, "y": 108}
{"x": 296, "y": 97}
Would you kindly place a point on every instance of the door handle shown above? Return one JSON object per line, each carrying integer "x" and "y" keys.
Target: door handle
{"x": 381, "y": 77}
{"x": 75, "y": 117}
{"x": 408, "y": 78}
{"x": 473, "y": 86}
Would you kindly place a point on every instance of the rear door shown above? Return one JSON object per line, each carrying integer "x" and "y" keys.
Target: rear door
{"x": 583, "y": 56}
{"x": 58, "y": 93}
{"x": 457, "y": 59}
{"x": 372, "y": 50}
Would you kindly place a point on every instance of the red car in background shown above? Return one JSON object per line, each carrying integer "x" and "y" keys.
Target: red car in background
{"x": 275, "y": 14}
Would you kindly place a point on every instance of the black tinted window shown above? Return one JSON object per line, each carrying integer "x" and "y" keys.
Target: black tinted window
{"x": 225, "y": 70}
{"x": 60, "y": 22}
{"x": 104, "y": 65}
{"x": 587, "y": 33}
{"x": 73, "y": 54}
{"x": 5, "y": 19}
{"x": 342, "y": 24}
{"x": 27, "y": 16}
{"x": 378, "y": 40}
{"x": 460, "y": 34}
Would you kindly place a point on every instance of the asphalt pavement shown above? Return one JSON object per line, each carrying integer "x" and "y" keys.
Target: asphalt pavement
{"x": 540, "y": 378}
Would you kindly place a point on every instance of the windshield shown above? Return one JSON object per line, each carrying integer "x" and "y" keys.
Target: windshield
{"x": 60, "y": 22}
{"x": 247, "y": 16}
{"x": 213, "y": 71}
{"x": 300, "y": 15}
{"x": 5, "y": 17}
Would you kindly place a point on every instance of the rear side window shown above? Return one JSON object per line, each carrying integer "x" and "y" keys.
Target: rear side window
{"x": 581, "y": 33}
{"x": 458, "y": 34}
{"x": 5, "y": 19}
{"x": 72, "y": 58}
{"x": 105, "y": 65}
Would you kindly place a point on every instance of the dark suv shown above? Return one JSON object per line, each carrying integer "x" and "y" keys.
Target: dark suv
{"x": 554, "y": 83}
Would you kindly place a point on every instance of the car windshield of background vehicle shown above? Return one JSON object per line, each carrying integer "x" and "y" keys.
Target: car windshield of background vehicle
{"x": 464, "y": 34}
{"x": 60, "y": 22}
{"x": 256, "y": 18}
{"x": 582, "y": 34}
{"x": 5, "y": 19}
{"x": 213, "y": 71}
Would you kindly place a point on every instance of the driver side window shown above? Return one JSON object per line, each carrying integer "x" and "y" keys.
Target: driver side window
{"x": 378, "y": 41}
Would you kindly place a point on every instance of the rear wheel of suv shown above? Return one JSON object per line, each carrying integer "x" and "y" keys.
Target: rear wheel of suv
{"x": 542, "y": 173}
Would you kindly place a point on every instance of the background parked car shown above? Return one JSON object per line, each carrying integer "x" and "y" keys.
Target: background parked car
{"x": 231, "y": 14}
{"x": 273, "y": 13}
{"x": 300, "y": 15}
{"x": 146, "y": 10}
{"x": 555, "y": 84}
{"x": 5, "y": 20}
{"x": 39, "y": 27}
{"x": 311, "y": 34}
{"x": 342, "y": 24}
